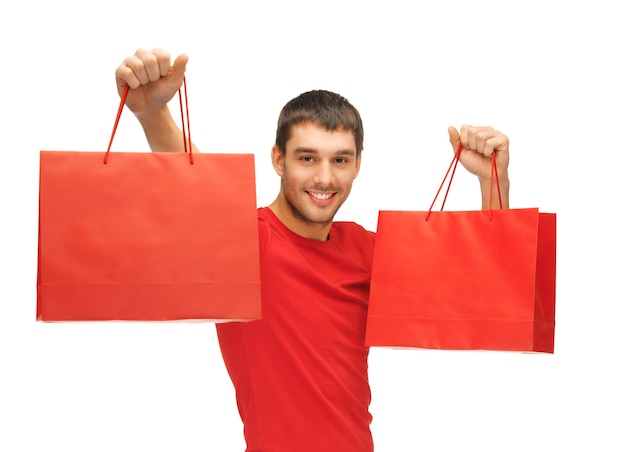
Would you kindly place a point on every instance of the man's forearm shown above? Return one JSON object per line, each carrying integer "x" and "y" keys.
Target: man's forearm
{"x": 162, "y": 132}
{"x": 490, "y": 196}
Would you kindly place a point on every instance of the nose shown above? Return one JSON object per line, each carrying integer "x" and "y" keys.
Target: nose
{"x": 324, "y": 174}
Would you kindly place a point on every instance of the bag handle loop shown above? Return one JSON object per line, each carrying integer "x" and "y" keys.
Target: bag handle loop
{"x": 452, "y": 167}
{"x": 184, "y": 113}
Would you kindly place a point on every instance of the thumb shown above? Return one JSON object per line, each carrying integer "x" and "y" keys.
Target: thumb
{"x": 455, "y": 138}
{"x": 179, "y": 67}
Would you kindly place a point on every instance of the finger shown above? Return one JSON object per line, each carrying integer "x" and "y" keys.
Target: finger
{"x": 124, "y": 75}
{"x": 455, "y": 138}
{"x": 482, "y": 134}
{"x": 149, "y": 63}
{"x": 475, "y": 138}
{"x": 180, "y": 65}
{"x": 163, "y": 61}
{"x": 467, "y": 136}
{"x": 137, "y": 66}
{"x": 496, "y": 143}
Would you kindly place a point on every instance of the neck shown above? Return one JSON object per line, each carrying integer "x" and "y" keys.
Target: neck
{"x": 299, "y": 225}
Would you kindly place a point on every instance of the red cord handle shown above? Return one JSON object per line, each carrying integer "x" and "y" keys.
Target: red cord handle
{"x": 184, "y": 113}
{"x": 452, "y": 167}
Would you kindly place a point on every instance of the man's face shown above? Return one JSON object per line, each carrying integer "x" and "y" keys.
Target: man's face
{"x": 317, "y": 171}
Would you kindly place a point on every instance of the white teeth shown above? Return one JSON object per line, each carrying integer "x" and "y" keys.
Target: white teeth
{"x": 321, "y": 196}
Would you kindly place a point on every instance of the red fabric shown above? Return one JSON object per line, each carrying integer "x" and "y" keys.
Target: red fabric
{"x": 300, "y": 373}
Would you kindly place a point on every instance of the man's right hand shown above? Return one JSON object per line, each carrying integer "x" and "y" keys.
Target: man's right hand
{"x": 153, "y": 80}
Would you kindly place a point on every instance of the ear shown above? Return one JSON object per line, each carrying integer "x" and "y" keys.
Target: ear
{"x": 278, "y": 160}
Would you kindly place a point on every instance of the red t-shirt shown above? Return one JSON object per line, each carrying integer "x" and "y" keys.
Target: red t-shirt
{"x": 300, "y": 373}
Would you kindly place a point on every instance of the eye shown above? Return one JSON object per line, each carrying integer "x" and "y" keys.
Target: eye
{"x": 341, "y": 160}
{"x": 307, "y": 158}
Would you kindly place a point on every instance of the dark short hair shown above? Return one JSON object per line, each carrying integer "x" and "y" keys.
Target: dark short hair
{"x": 325, "y": 108}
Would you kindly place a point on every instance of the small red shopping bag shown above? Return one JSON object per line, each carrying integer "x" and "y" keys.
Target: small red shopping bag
{"x": 464, "y": 280}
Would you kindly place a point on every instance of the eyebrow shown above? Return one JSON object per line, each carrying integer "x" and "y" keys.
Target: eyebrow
{"x": 303, "y": 150}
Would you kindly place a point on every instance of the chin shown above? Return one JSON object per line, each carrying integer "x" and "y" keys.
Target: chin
{"x": 325, "y": 216}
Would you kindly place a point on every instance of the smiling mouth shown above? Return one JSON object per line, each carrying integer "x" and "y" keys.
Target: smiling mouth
{"x": 321, "y": 196}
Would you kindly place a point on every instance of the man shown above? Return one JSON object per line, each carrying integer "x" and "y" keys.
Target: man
{"x": 300, "y": 373}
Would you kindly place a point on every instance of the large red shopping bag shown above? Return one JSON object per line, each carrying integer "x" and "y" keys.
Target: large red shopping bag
{"x": 464, "y": 280}
{"x": 147, "y": 236}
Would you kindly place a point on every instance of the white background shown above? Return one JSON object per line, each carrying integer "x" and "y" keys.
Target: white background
{"x": 548, "y": 74}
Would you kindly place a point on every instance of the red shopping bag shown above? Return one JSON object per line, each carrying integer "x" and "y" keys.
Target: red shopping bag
{"x": 147, "y": 236}
{"x": 469, "y": 280}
